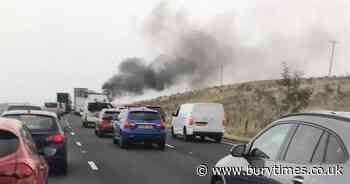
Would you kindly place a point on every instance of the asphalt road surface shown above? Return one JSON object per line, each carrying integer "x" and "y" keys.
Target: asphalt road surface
{"x": 94, "y": 160}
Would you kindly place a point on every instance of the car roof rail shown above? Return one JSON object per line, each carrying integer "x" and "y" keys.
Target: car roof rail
{"x": 330, "y": 115}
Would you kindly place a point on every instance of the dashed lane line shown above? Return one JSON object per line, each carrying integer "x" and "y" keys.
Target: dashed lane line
{"x": 93, "y": 166}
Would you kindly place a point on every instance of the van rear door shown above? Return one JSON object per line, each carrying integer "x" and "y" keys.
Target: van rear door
{"x": 208, "y": 117}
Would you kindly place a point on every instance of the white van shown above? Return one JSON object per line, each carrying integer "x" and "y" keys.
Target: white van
{"x": 199, "y": 119}
{"x": 92, "y": 111}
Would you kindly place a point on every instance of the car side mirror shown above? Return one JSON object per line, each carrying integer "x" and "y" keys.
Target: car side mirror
{"x": 238, "y": 150}
{"x": 174, "y": 114}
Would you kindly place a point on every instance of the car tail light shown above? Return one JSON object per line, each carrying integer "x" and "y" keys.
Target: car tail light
{"x": 105, "y": 123}
{"x": 190, "y": 120}
{"x": 58, "y": 138}
{"x": 23, "y": 171}
{"x": 127, "y": 124}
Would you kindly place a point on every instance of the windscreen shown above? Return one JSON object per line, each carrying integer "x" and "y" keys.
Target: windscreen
{"x": 23, "y": 107}
{"x": 144, "y": 115}
{"x": 8, "y": 143}
{"x": 96, "y": 107}
{"x": 36, "y": 122}
{"x": 51, "y": 105}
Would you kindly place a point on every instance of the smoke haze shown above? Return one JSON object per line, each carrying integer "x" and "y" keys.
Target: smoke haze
{"x": 249, "y": 48}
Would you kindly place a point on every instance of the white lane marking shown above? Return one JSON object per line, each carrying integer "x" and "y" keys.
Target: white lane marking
{"x": 170, "y": 146}
{"x": 84, "y": 151}
{"x": 93, "y": 166}
{"x": 78, "y": 143}
{"x": 72, "y": 133}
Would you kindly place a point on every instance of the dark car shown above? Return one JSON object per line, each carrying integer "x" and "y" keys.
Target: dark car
{"x": 47, "y": 134}
{"x": 139, "y": 125}
{"x": 23, "y": 107}
{"x": 307, "y": 141}
{"x": 20, "y": 161}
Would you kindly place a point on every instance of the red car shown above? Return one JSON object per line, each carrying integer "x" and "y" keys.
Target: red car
{"x": 20, "y": 162}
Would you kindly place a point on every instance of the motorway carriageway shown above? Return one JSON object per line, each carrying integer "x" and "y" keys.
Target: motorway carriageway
{"x": 93, "y": 160}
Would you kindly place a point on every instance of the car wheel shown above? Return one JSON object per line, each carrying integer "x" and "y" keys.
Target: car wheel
{"x": 218, "y": 139}
{"x": 115, "y": 141}
{"x": 186, "y": 137}
{"x": 122, "y": 142}
{"x": 173, "y": 135}
{"x": 217, "y": 180}
{"x": 97, "y": 133}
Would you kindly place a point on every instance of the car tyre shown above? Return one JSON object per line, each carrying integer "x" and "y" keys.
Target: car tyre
{"x": 123, "y": 143}
{"x": 186, "y": 137}
{"x": 115, "y": 141}
{"x": 218, "y": 138}
{"x": 173, "y": 135}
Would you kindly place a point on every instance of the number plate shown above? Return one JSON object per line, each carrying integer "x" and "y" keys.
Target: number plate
{"x": 145, "y": 126}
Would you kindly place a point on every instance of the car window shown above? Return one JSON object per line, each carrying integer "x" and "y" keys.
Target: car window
{"x": 27, "y": 137}
{"x": 335, "y": 153}
{"x": 269, "y": 145}
{"x": 303, "y": 144}
{"x": 36, "y": 122}
{"x": 51, "y": 105}
{"x": 321, "y": 149}
{"x": 8, "y": 143}
{"x": 143, "y": 115}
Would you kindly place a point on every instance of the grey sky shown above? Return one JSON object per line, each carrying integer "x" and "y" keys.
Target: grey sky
{"x": 49, "y": 46}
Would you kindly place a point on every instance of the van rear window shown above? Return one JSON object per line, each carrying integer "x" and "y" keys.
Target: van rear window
{"x": 144, "y": 115}
{"x": 96, "y": 107}
{"x": 8, "y": 143}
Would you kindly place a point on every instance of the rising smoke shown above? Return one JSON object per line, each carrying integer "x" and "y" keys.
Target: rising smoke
{"x": 192, "y": 53}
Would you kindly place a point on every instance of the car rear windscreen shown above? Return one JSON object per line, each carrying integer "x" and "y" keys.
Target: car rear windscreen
{"x": 51, "y": 105}
{"x": 8, "y": 143}
{"x": 144, "y": 115}
{"x": 113, "y": 114}
{"x": 36, "y": 122}
{"x": 23, "y": 107}
{"x": 96, "y": 107}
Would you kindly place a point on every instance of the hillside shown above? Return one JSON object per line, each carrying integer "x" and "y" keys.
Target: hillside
{"x": 249, "y": 106}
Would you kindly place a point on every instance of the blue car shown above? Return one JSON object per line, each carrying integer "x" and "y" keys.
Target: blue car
{"x": 139, "y": 125}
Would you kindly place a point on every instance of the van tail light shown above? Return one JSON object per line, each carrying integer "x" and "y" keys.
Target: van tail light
{"x": 23, "y": 171}
{"x": 57, "y": 138}
{"x": 127, "y": 124}
{"x": 190, "y": 120}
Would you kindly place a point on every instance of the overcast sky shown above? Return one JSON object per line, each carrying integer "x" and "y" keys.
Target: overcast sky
{"x": 50, "y": 46}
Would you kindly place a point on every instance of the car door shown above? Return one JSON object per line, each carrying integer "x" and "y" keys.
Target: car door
{"x": 38, "y": 161}
{"x": 313, "y": 149}
{"x": 264, "y": 152}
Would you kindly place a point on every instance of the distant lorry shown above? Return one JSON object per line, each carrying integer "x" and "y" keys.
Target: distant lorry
{"x": 80, "y": 98}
